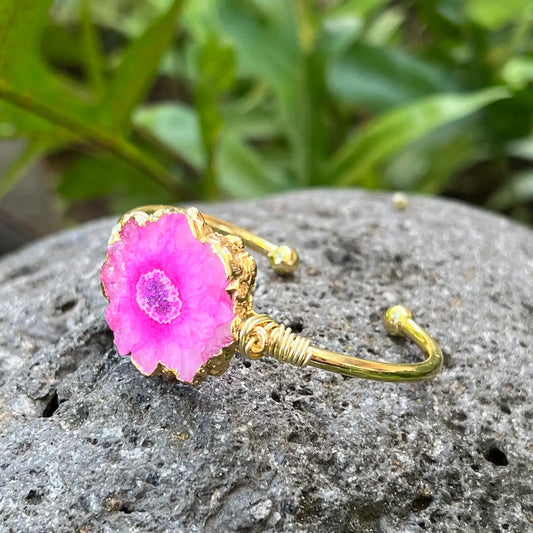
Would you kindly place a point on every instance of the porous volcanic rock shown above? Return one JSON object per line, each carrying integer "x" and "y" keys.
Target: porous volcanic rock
{"x": 89, "y": 444}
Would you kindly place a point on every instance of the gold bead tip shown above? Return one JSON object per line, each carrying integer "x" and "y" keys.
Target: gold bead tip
{"x": 283, "y": 260}
{"x": 395, "y": 319}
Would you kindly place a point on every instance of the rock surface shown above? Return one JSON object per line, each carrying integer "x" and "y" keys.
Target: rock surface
{"x": 88, "y": 444}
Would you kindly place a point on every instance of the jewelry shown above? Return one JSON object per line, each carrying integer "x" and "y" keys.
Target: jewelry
{"x": 180, "y": 288}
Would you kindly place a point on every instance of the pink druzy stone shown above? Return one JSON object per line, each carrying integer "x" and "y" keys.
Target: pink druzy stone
{"x": 167, "y": 294}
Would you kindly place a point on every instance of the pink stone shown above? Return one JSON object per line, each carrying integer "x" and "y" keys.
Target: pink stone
{"x": 167, "y": 294}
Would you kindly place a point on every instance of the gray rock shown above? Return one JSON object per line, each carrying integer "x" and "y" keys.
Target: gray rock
{"x": 89, "y": 444}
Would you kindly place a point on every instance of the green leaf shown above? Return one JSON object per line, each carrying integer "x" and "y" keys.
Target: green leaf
{"x": 343, "y": 24}
{"x": 385, "y": 27}
{"x": 428, "y": 164}
{"x": 518, "y": 72}
{"x": 200, "y": 19}
{"x": 93, "y": 56}
{"x": 177, "y": 126}
{"x": 379, "y": 139}
{"x": 264, "y": 50}
{"x": 127, "y": 17}
{"x": 495, "y": 13}
{"x": 256, "y": 124}
{"x": 522, "y": 148}
{"x": 214, "y": 65}
{"x": 94, "y": 176}
{"x": 244, "y": 173}
{"x": 215, "y": 74}
{"x": 381, "y": 78}
{"x": 62, "y": 46}
{"x": 137, "y": 69}
{"x": 355, "y": 8}
{"x": 307, "y": 22}
{"x": 518, "y": 190}
{"x": 268, "y": 48}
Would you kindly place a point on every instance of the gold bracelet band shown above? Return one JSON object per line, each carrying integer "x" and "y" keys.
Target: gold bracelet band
{"x": 159, "y": 289}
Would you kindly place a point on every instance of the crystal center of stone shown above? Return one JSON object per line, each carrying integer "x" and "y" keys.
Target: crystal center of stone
{"x": 158, "y": 297}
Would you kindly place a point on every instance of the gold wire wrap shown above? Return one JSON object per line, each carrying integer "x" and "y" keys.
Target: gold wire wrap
{"x": 260, "y": 337}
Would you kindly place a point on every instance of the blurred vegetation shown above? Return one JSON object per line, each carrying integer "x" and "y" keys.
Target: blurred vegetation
{"x": 137, "y": 101}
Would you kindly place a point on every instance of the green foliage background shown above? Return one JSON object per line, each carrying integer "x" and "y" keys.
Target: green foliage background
{"x": 138, "y": 101}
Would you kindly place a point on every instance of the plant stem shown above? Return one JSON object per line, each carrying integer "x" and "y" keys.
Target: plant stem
{"x": 89, "y": 132}
{"x": 94, "y": 60}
